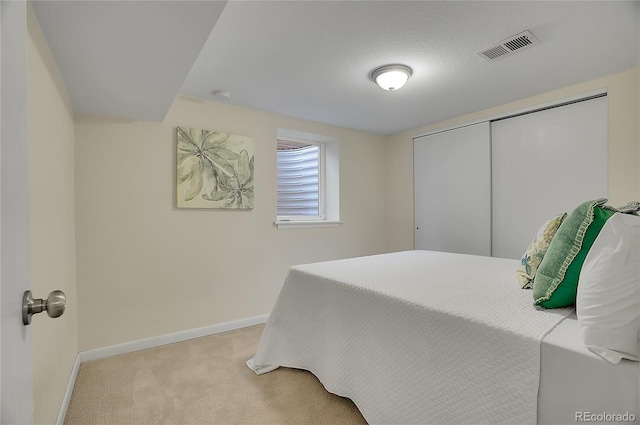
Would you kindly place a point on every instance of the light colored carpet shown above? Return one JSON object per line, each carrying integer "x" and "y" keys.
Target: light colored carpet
{"x": 202, "y": 381}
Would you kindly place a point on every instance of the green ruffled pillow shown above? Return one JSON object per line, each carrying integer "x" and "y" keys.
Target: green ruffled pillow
{"x": 535, "y": 252}
{"x": 556, "y": 282}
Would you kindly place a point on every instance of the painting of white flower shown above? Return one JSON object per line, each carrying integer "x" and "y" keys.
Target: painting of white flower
{"x": 214, "y": 169}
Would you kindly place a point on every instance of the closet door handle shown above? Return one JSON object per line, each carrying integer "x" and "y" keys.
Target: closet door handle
{"x": 54, "y": 305}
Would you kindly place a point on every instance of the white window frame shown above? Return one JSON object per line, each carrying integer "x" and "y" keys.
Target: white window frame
{"x": 328, "y": 182}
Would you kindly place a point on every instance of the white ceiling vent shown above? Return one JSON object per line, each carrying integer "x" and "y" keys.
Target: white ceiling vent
{"x": 508, "y": 46}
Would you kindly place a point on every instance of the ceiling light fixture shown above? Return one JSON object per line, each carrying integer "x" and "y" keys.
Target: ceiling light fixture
{"x": 391, "y": 77}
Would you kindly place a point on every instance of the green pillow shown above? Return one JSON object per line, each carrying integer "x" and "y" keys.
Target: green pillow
{"x": 556, "y": 282}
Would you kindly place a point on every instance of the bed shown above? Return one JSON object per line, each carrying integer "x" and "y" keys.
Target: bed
{"x": 573, "y": 379}
{"x": 421, "y": 337}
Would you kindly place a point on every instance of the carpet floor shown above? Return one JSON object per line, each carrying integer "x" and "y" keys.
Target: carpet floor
{"x": 202, "y": 381}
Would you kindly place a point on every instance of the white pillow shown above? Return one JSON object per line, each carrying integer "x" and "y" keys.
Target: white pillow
{"x": 608, "y": 299}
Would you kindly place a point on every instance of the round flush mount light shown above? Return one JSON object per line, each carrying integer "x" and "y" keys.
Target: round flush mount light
{"x": 391, "y": 77}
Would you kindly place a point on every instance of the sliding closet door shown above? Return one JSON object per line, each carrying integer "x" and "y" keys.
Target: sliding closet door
{"x": 452, "y": 194}
{"x": 543, "y": 164}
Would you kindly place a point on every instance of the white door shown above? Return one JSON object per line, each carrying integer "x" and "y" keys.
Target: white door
{"x": 452, "y": 190}
{"x": 16, "y": 392}
{"x": 545, "y": 163}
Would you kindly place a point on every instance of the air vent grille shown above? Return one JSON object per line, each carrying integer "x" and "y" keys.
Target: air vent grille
{"x": 495, "y": 52}
{"x": 518, "y": 43}
{"x": 508, "y": 46}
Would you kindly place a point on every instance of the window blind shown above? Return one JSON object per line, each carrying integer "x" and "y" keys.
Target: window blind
{"x": 298, "y": 182}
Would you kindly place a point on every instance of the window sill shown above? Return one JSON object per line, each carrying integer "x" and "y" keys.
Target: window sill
{"x": 311, "y": 224}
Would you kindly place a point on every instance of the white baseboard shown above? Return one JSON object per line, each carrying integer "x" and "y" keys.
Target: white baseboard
{"x": 67, "y": 394}
{"x": 129, "y": 347}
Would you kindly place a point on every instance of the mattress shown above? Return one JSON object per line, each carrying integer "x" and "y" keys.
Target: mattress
{"x": 576, "y": 382}
{"x": 414, "y": 337}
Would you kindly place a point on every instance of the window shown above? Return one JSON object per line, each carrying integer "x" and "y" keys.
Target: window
{"x": 300, "y": 180}
{"x": 307, "y": 180}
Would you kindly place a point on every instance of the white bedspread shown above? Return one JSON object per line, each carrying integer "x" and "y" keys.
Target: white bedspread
{"x": 415, "y": 337}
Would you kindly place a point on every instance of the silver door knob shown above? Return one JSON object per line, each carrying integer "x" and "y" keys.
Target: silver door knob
{"x": 54, "y": 305}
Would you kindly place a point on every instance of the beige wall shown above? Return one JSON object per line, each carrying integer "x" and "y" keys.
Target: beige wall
{"x": 624, "y": 150}
{"x": 146, "y": 268}
{"x": 50, "y": 135}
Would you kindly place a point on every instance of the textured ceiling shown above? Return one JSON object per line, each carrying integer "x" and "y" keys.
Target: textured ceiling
{"x": 311, "y": 59}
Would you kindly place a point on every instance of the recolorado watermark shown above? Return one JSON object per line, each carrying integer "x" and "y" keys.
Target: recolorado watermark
{"x": 604, "y": 417}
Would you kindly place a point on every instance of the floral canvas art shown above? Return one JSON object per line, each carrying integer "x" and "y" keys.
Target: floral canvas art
{"x": 214, "y": 170}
